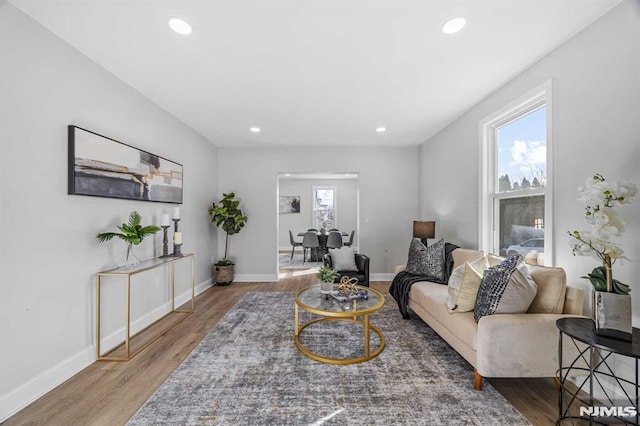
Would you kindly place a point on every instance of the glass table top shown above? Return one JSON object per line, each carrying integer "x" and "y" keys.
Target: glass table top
{"x": 313, "y": 300}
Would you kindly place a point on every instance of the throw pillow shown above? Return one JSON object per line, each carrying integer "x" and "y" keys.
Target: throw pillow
{"x": 506, "y": 288}
{"x": 343, "y": 259}
{"x": 464, "y": 284}
{"x": 428, "y": 261}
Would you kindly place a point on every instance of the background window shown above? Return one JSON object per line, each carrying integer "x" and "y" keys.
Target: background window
{"x": 515, "y": 210}
{"x": 324, "y": 207}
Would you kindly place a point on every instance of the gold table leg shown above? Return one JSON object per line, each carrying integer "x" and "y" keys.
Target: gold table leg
{"x": 366, "y": 336}
{"x": 295, "y": 320}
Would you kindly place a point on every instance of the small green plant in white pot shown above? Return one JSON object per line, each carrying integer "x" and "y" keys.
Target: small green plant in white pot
{"x": 327, "y": 276}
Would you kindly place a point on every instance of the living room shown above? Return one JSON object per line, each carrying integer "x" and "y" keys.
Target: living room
{"x": 47, "y": 331}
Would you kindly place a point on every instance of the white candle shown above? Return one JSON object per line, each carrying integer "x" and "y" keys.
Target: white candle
{"x": 177, "y": 238}
{"x": 165, "y": 219}
{"x": 176, "y": 213}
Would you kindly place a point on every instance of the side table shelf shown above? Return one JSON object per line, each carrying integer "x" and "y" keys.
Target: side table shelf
{"x": 592, "y": 364}
{"x": 147, "y": 265}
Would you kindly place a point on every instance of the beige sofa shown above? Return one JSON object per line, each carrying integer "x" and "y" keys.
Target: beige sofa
{"x": 500, "y": 345}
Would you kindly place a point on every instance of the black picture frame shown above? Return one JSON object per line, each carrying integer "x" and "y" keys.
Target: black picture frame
{"x": 289, "y": 204}
{"x": 103, "y": 167}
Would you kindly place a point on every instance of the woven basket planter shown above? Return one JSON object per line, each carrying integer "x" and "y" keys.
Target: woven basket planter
{"x": 224, "y": 274}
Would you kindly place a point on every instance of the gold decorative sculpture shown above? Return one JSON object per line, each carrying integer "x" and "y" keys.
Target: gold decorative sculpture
{"x": 347, "y": 287}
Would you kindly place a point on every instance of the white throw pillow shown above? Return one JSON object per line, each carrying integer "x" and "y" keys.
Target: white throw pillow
{"x": 343, "y": 259}
{"x": 463, "y": 285}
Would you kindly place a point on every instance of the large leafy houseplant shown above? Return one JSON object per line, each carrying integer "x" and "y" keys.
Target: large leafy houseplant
{"x": 601, "y": 197}
{"x": 227, "y": 215}
{"x": 132, "y": 233}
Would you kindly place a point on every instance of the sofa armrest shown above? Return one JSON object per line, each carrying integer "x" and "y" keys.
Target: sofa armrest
{"x": 574, "y": 301}
{"x": 520, "y": 345}
{"x": 399, "y": 268}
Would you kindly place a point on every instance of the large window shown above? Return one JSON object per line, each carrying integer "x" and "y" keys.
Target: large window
{"x": 515, "y": 202}
{"x": 324, "y": 207}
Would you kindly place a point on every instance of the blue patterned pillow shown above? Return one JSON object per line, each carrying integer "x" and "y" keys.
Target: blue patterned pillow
{"x": 493, "y": 287}
{"x": 428, "y": 261}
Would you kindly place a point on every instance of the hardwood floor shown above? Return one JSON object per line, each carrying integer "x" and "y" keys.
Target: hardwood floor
{"x": 109, "y": 393}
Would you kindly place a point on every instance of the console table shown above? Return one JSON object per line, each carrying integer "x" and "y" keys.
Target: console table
{"x": 127, "y": 274}
{"x": 592, "y": 360}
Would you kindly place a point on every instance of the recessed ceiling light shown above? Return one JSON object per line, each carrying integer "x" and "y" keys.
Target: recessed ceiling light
{"x": 180, "y": 26}
{"x": 454, "y": 25}
{"x": 381, "y": 129}
{"x": 255, "y": 129}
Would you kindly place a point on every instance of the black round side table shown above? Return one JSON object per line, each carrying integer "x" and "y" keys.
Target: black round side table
{"x": 618, "y": 398}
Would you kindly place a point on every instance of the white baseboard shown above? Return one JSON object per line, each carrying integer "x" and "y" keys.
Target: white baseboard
{"x": 381, "y": 277}
{"x": 33, "y": 389}
{"x": 25, "y": 394}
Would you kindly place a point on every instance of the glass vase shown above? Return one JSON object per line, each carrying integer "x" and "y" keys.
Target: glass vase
{"x": 130, "y": 259}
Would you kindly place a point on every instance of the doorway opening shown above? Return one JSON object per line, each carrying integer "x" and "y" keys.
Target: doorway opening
{"x": 314, "y": 202}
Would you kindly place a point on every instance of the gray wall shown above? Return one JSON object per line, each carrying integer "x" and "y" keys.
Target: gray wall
{"x": 596, "y": 106}
{"x": 49, "y": 253}
{"x": 346, "y": 206}
{"x": 388, "y": 200}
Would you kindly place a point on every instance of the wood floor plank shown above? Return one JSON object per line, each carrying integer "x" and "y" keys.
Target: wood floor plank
{"x": 109, "y": 393}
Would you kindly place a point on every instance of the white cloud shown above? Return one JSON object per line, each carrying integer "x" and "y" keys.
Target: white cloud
{"x": 528, "y": 153}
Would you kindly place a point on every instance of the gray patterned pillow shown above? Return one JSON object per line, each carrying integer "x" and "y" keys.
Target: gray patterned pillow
{"x": 506, "y": 288}
{"x": 427, "y": 261}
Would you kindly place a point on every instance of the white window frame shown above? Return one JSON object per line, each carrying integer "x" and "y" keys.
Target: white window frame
{"x": 488, "y": 239}
{"x": 314, "y": 188}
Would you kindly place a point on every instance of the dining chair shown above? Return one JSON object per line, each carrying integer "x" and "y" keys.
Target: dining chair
{"x": 350, "y": 242}
{"x": 309, "y": 241}
{"x": 294, "y": 244}
{"x": 333, "y": 229}
{"x": 334, "y": 240}
{"x": 312, "y": 230}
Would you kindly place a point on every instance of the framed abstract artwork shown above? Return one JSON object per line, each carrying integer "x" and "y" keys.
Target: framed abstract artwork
{"x": 103, "y": 167}
{"x": 289, "y": 204}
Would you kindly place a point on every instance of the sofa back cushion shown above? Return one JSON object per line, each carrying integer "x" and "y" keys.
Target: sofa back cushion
{"x": 552, "y": 288}
{"x": 461, "y": 256}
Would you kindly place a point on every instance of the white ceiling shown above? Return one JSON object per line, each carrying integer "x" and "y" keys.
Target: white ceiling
{"x": 315, "y": 72}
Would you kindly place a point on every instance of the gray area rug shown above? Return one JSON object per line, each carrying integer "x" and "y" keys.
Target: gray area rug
{"x": 248, "y": 371}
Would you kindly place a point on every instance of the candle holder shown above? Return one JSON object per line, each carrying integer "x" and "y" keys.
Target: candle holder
{"x": 165, "y": 242}
{"x": 175, "y": 224}
{"x": 177, "y": 250}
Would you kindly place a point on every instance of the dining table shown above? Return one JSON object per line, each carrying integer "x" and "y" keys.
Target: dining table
{"x": 322, "y": 249}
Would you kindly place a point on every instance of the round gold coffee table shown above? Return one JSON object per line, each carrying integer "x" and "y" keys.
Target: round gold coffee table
{"x": 312, "y": 300}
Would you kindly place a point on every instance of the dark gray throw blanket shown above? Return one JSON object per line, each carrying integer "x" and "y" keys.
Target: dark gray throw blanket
{"x": 402, "y": 282}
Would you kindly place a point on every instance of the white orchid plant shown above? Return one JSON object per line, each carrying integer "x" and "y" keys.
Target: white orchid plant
{"x": 601, "y": 197}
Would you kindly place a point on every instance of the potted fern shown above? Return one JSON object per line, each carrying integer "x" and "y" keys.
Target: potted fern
{"x": 131, "y": 233}
{"x": 227, "y": 215}
{"x": 327, "y": 275}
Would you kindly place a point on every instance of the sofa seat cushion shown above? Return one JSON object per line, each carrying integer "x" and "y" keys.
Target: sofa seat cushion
{"x": 432, "y": 297}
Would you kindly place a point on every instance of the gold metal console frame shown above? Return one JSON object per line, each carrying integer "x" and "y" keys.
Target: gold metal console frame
{"x": 147, "y": 265}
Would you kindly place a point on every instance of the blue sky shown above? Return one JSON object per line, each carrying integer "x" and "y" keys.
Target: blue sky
{"x": 522, "y": 147}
